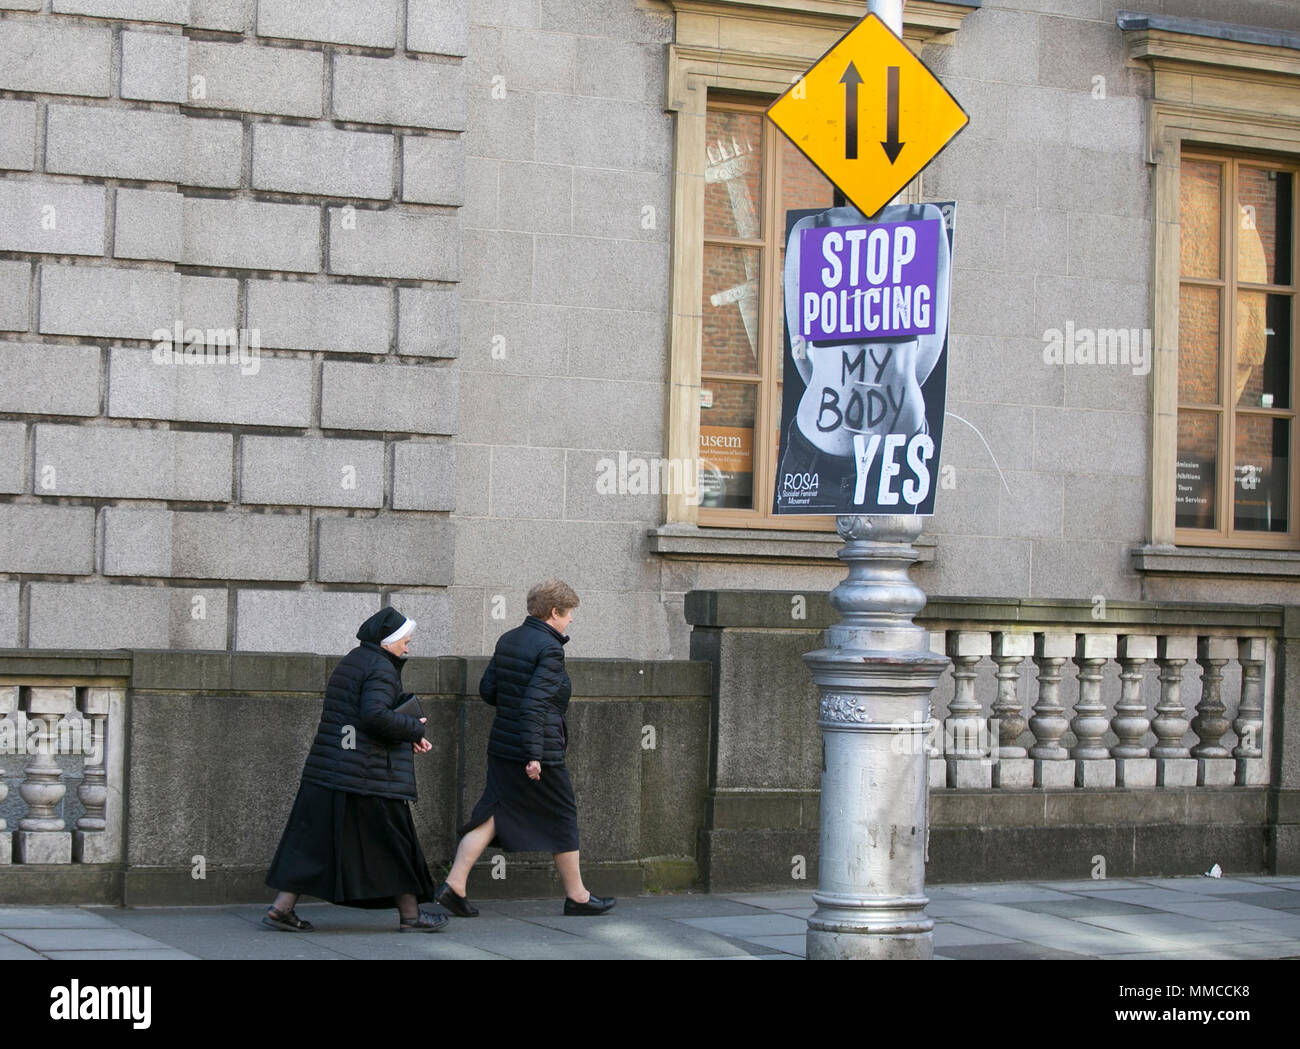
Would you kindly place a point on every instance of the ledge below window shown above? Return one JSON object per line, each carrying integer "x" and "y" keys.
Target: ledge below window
{"x": 689, "y": 543}
{"x": 1204, "y": 560}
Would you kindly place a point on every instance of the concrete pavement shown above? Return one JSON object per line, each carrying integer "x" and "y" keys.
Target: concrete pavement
{"x": 1133, "y": 918}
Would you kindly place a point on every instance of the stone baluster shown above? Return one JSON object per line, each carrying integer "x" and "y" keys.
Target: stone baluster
{"x": 8, "y": 704}
{"x": 1094, "y": 767}
{"x": 42, "y": 835}
{"x": 1052, "y": 765}
{"x": 1133, "y": 765}
{"x": 1012, "y": 767}
{"x": 93, "y": 790}
{"x": 1210, "y": 723}
{"x": 965, "y": 733}
{"x": 1252, "y": 769}
{"x": 1174, "y": 766}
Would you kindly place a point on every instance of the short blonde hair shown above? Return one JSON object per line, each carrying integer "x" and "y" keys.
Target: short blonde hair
{"x": 549, "y": 594}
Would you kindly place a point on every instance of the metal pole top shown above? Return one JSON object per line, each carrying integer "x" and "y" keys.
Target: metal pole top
{"x": 890, "y": 12}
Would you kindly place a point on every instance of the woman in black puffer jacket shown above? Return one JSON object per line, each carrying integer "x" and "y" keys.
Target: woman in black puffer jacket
{"x": 350, "y": 838}
{"x": 528, "y": 804}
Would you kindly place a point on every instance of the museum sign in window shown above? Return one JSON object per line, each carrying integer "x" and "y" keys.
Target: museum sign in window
{"x": 752, "y": 178}
{"x": 1236, "y": 387}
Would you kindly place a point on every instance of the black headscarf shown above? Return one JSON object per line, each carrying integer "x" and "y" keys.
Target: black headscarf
{"x": 384, "y": 622}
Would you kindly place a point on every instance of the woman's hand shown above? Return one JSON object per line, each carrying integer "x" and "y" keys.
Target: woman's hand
{"x": 534, "y": 770}
{"x": 422, "y": 746}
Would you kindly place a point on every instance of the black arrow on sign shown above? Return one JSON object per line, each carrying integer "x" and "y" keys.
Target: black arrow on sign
{"x": 851, "y": 79}
{"x": 891, "y": 145}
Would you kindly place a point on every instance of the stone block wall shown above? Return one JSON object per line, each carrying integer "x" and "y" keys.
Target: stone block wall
{"x": 448, "y": 225}
{"x": 566, "y": 348}
{"x": 568, "y": 223}
{"x": 280, "y": 178}
{"x": 1050, "y": 463}
{"x": 218, "y": 793}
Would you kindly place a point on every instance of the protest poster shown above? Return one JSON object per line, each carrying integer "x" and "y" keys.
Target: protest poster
{"x": 865, "y": 359}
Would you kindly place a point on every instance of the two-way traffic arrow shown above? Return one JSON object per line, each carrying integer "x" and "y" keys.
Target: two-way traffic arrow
{"x": 891, "y": 145}
{"x": 851, "y": 79}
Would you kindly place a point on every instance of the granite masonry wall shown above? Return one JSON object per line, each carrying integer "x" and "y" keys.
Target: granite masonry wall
{"x": 448, "y": 223}
{"x": 565, "y": 319}
{"x": 568, "y": 223}
{"x": 283, "y": 173}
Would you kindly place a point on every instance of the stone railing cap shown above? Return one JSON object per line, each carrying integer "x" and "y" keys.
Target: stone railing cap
{"x": 777, "y": 609}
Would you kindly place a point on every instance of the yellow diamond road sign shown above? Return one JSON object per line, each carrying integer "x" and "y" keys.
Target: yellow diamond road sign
{"x": 869, "y": 115}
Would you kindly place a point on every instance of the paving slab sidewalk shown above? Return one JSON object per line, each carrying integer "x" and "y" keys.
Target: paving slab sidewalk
{"x": 1134, "y": 918}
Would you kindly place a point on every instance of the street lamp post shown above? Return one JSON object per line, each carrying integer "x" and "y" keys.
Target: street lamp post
{"x": 875, "y": 676}
{"x": 890, "y": 12}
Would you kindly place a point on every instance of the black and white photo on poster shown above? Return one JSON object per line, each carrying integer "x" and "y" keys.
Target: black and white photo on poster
{"x": 862, "y": 411}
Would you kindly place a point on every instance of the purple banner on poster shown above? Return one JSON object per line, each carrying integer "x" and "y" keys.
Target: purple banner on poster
{"x": 875, "y": 281}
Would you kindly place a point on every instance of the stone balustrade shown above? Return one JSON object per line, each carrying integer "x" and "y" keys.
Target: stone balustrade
{"x": 1155, "y": 735}
{"x": 1105, "y": 709}
{"x": 53, "y": 737}
{"x": 1157, "y": 738}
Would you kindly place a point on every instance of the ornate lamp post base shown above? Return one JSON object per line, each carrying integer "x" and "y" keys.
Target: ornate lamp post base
{"x": 876, "y": 676}
{"x": 878, "y": 943}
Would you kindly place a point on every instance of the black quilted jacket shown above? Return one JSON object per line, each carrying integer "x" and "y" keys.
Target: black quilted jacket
{"x": 361, "y": 694}
{"x": 527, "y": 683}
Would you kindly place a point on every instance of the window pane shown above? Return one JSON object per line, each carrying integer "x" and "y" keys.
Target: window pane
{"x": 1263, "y": 367}
{"x": 1264, "y": 237}
{"x": 1260, "y": 489}
{"x": 802, "y": 185}
{"x": 727, "y": 444}
{"x": 1198, "y": 345}
{"x": 1198, "y": 452}
{"x": 731, "y": 309}
{"x": 733, "y": 198}
{"x": 1200, "y": 186}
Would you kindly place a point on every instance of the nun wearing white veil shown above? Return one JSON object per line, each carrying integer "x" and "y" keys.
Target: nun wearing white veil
{"x": 350, "y": 838}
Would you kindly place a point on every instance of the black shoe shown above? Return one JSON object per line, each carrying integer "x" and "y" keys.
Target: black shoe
{"x": 286, "y": 922}
{"x": 426, "y": 922}
{"x": 595, "y": 905}
{"x": 458, "y": 905}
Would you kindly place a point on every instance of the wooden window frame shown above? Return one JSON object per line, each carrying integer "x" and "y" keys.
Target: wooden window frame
{"x": 768, "y": 377}
{"x": 1220, "y": 98}
{"x": 1229, "y": 285}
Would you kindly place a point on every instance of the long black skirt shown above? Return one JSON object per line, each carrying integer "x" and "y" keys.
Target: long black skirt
{"x": 531, "y": 815}
{"x": 352, "y": 849}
